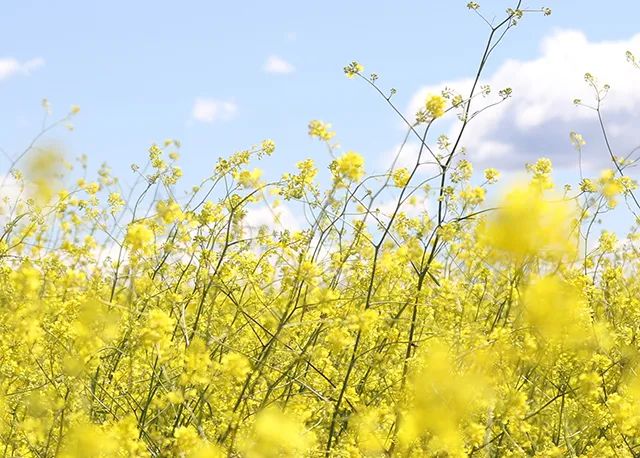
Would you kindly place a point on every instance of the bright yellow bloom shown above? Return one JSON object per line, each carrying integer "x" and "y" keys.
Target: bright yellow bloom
{"x": 235, "y": 365}
{"x": 139, "y": 236}
{"x": 196, "y": 364}
{"x": 541, "y": 171}
{"x": 188, "y": 443}
{"x": 556, "y": 311}
{"x": 320, "y": 130}
{"x": 608, "y": 241}
{"x": 610, "y": 186}
{"x": 527, "y": 224}
{"x": 445, "y": 395}
{"x": 491, "y": 175}
{"x": 400, "y": 177}
{"x": 453, "y": 328}
{"x": 169, "y": 211}
{"x": 473, "y": 195}
{"x": 353, "y": 69}
{"x": 268, "y": 147}
{"x": 43, "y": 171}
{"x": 349, "y": 166}
{"x": 587, "y": 185}
{"x": 435, "y": 106}
{"x": 249, "y": 179}
{"x": 276, "y": 433}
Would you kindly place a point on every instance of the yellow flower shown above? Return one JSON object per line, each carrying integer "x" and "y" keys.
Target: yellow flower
{"x": 276, "y": 433}
{"x": 157, "y": 331}
{"x": 92, "y": 188}
{"x": 610, "y": 187}
{"x": 196, "y": 364}
{"x": 473, "y": 195}
{"x": 608, "y": 241}
{"x": 445, "y": 396}
{"x": 400, "y": 177}
{"x": 169, "y": 211}
{"x": 188, "y": 443}
{"x": 350, "y": 166}
{"x": 27, "y": 278}
{"x": 353, "y": 69}
{"x": 268, "y": 147}
{"x": 587, "y": 185}
{"x": 435, "y": 106}
{"x": 541, "y": 171}
{"x": 556, "y": 310}
{"x": 115, "y": 201}
{"x": 320, "y": 130}
{"x": 249, "y": 179}
{"x": 491, "y": 175}
{"x": 576, "y": 140}
{"x": 527, "y": 224}
{"x": 235, "y": 365}
{"x": 43, "y": 172}
{"x": 139, "y": 236}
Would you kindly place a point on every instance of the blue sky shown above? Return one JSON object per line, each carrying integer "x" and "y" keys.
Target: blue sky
{"x": 137, "y": 69}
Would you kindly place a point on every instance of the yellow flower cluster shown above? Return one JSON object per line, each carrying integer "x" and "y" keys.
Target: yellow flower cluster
{"x": 320, "y": 130}
{"x": 353, "y": 69}
{"x": 400, "y": 177}
{"x": 44, "y": 171}
{"x": 491, "y": 175}
{"x": 435, "y": 106}
{"x": 249, "y": 179}
{"x": 138, "y": 237}
{"x": 365, "y": 325}
{"x": 610, "y": 187}
{"x": 349, "y": 166}
{"x": 190, "y": 339}
{"x": 473, "y": 195}
{"x": 169, "y": 211}
{"x": 530, "y": 224}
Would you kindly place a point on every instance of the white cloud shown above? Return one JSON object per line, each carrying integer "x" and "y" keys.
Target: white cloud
{"x": 212, "y": 110}
{"x": 12, "y": 191}
{"x": 110, "y": 250}
{"x": 279, "y": 218}
{"x": 405, "y": 156}
{"x": 10, "y": 66}
{"x": 419, "y": 206}
{"x": 275, "y": 64}
{"x": 537, "y": 120}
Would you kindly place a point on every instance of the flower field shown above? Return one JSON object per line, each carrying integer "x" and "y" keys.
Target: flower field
{"x": 467, "y": 318}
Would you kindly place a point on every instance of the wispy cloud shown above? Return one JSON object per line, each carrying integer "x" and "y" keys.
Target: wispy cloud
{"x": 209, "y": 110}
{"x": 275, "y": 64}
{"x": 10, "y": 66}
{"x": 275, "y": 219}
